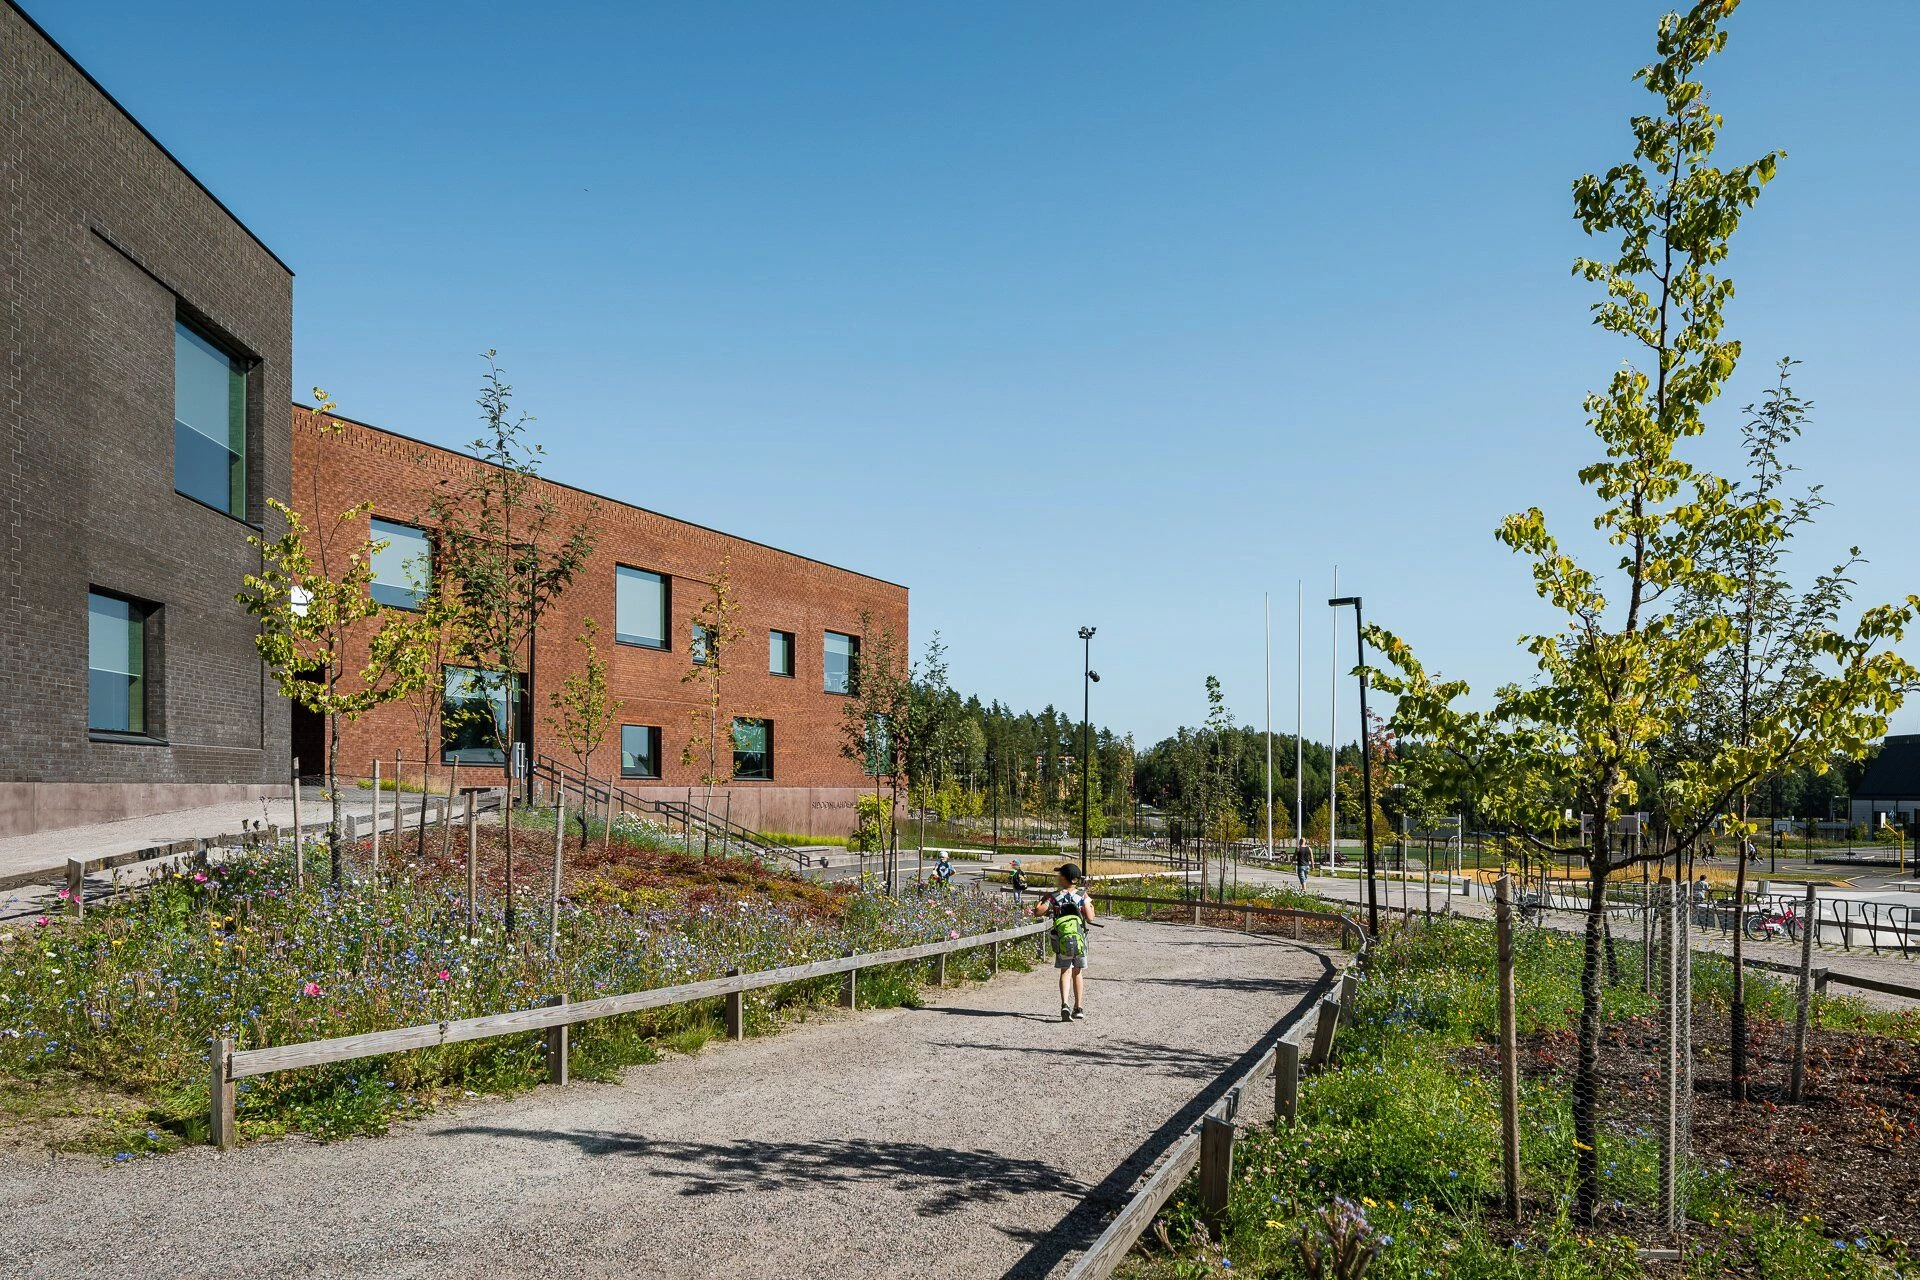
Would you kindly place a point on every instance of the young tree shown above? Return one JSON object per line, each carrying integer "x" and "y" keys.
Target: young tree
{"x": 877, "y": 722}
{"x": 508, "y": 555}
{"x": 443, "y": 639}
{"x": 1623, "y": 670}
{"x": 1775, "y": 628}
{"x": 714, "y": 634}
{"x": 583, "y": 708}
{"x": 314, "y": 599}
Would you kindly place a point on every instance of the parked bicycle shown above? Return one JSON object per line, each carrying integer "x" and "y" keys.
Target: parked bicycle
{"x": 1765, "y": 925}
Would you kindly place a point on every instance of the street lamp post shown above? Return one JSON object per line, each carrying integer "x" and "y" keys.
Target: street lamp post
{"x": 1088, "y": 676}
{"x": 1366, "y": 764}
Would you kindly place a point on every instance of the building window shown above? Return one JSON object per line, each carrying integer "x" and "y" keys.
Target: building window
{"x": 702, "y": 643}
{"x": 403, "y": 569}
{"x": 640, "y": 608}
{"x": 639, "y": 751}
{"x": 780, "y": 653}
{"x": 116, "y": 665}
{"x": 753, "y": 750}
{"x": 842, "y": 662}
{"x": 474, "y": 715}
{"x": 209, "y": 423}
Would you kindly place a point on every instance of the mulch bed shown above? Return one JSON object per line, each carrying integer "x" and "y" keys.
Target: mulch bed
{"x": 1849, "y": 1153}
{"x": 598, "y": 867}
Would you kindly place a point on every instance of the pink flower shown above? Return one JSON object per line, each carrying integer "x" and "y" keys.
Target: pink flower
{"x": 954, "y": 934}
{"x": 41, "y": 921}
{"x": 199, "y": 877}
{"x": 311, "y": 989}
{"x": 65, "y": 894}
{"x": 444, "y": 975}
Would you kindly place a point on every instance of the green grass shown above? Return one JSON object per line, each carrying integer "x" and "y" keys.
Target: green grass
{"x": 1395, "y": 1145}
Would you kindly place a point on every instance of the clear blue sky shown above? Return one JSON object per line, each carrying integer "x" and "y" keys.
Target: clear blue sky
{"x": 1061, "y": 314}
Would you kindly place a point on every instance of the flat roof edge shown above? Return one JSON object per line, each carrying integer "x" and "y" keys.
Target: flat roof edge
{"x": 602, "y": 497}
{"x": 147, "y": 134}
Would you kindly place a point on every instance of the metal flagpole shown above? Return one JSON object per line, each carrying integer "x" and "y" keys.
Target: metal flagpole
{"x": 1299, "y": 706}
{"x": 1333, "y": 735}
{"x": 1266, "y": 607}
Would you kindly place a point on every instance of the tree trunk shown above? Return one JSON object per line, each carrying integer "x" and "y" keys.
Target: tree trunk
{"x": 1737, "y": 1004}
{"x": 335, "y": 847}
{"x": 1586, "y": 1080}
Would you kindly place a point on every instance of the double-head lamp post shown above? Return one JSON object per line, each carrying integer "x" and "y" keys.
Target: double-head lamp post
{"x": 1366, "y": 764}
{"x": 1087, "y": 678}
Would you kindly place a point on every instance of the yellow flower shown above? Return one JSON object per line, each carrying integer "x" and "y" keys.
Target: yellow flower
{"x": 1581, "y": 1146}
{"x": 1368, "y": 1202}
{"x": 1272, "y": 1225}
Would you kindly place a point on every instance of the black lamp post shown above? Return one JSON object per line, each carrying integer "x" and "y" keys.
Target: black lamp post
{"x": 1088, "y": 676}
{"x": 1366, "y": 764}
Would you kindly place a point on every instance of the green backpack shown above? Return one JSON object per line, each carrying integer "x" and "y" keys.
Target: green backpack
{"x": 1069, "y": 933}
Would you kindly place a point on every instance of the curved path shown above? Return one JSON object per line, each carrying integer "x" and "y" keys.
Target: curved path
{"x": 978, "y": 1136}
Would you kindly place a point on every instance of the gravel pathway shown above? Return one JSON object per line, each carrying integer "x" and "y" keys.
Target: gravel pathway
{"x": 978, "y": 1136}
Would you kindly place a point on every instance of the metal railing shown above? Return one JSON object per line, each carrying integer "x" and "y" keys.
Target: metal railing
{"x": 612, "y": 798}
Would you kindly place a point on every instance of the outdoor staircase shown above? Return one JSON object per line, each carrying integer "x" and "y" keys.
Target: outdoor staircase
{"x": 691, "y": 818}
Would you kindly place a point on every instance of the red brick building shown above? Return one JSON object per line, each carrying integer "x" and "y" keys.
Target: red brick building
{"x": 644, "y": 584}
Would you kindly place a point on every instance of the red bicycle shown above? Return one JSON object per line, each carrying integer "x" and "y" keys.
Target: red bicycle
{"x": 1764, "y": 925}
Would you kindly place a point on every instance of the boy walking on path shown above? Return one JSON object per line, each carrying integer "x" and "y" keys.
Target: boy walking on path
{"x": 1302, "y": 861}
{"x": 1071, "y": 911}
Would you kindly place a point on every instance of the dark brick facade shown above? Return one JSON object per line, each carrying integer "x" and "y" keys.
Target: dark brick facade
{"x": 813, "y": 784}
{"x": 107, "y": 237}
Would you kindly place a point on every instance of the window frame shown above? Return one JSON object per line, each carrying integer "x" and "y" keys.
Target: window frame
{"x": 659, "y": 770}
{"x": 516, "y": 711}
{"x": 373, "y": 584}
{"x": 666, "y": 608}
{"x": 699, "y": 642}
{"x": 793, "y": 652}
{"x": 853, "y": 663}
{"x": 244, "y": 363}
{"x": 734, "y": 735}
{"x": 146, "y": 614}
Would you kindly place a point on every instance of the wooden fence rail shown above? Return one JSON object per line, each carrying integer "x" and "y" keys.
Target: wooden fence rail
{"x": 1349, "y": 927}
{"x": 230, "y": 1065}
{"x": 1281, "y": 1058}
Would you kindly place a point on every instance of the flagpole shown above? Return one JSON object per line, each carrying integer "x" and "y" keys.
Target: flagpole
{"x": 1299, "y": 706}
{"x": 1266, "y": 608}
{"x": 1333, "y": 736}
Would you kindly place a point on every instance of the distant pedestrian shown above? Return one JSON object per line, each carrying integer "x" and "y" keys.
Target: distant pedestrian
{"x": 1071, "y": 911}
{"x": 1702, "y": 915}
{"x": 1302, "y": 861}
{"x": 1018, "y": 879}
{"x": 943, "y": 871}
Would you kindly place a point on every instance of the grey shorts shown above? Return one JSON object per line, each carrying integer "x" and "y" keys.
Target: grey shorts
{"x": 1070, "y": 962}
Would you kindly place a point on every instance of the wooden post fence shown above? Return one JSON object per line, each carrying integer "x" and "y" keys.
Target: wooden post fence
{"x": 1216, "y": 1169}
{"x": 375, "y": 848}
{"x": 473, "y": 867}
{"x": 559, "y": 858}
{"x": 1803, "y": 997}
{"x": 1323, "y": 1033}
{"x": 299, "y": 846}
{"x": 557, "y": 1047}
{"x": 736, "y": 1011}
{"x": 1286, "y": 1083}
{"x": 77, "y": 887}
{"x": 1509, "y": 1047}
{"x": 850, "y": 989}
{"x": 220, "y": 1132}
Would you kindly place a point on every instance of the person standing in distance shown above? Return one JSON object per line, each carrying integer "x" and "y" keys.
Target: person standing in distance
{"x": 1071, "y": 911}
{"x": 1302, "y": 861}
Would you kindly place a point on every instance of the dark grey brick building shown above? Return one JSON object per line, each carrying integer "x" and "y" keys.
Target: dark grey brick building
{"x": 143, "y": 425}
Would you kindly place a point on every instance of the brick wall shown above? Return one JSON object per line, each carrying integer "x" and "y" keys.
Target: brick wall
{"x": 813, "y": 784}
{"x": 106, "y": 235}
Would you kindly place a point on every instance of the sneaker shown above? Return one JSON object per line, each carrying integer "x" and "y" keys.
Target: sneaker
{"x": 1066, "y": 1014}
{"x": 1079, "y": 1014}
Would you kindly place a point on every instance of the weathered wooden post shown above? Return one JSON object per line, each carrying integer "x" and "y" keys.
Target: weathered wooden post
{"x": 557, "y": 1045}
{"x": 1349, "y": 988}
{"x": 1216, "y": 1170}
{"x": 1670, "y": 1015}
{"x": 473, "y": 866}
{"x": 993, "y": 959}
{"x": 559, "y": 861}
{"x": 299, "y": 847}
{"x": 1509, "y": 1047}
{"x": 1286, "y": 1082}
{"x": 220, "y": 1127}
{"x": 613, "y": 797}
{"x": 77, "y": 887}
{"x": 1323, "y": 1033}
{"x": 736, "y": 1011}
{"x": 1802, "y": 999}
{"x": 375, "y": 848}
{"x": 850, "y": 988}
{"x": 940, "y": 970}
{"x": 446, "y": 815}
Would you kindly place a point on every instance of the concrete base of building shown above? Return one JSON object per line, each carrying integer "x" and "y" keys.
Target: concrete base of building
{"x": 803, "y": 811}
{"x": 30, "y": 807}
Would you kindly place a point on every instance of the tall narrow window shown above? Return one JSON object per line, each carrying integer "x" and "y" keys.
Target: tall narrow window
{"x": 639, "y": 751}
{"x": 702, "y": 643}
{"x": 475, "y": 711}
{"x": 842, "y": 662}
{"x": 780, "y": 653}
{"x": 403, "y": 569}
{"x": 116, "y": 665}
{"x": 753, "y": 750}
{"x": 209, "y": 423}
{"x": 640, "y": 608}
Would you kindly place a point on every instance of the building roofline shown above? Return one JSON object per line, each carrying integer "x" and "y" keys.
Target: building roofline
{"x": 146, "y": 133}
{"x": 602, "y": 497}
